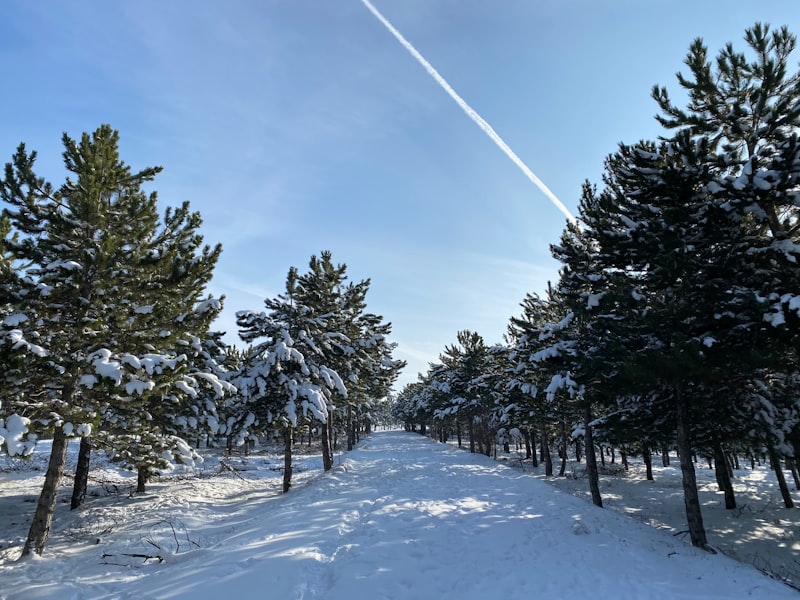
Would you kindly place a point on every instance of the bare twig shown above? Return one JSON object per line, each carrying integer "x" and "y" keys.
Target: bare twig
{"x": 146, "y": 557}
{"x": 223, "y": 466}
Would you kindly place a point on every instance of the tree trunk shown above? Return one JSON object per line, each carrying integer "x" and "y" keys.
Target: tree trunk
{"x": 795, "y": 475}
{"x": 81, "y": 474}
{"x": 488, "y": 439}
{"x": 546, "y": 458}
{"x": 776, "y": 466}
{"x": 534, "y": 460}
{"x": 664, "y": 456}
{"x": 142, "y": 474}
{"x": 46, "y": 507}
{"x": 591, "y": 459}
{"x": 327, "y": 455}
{"x": 471, "y": 433}
{"x": 563, "y": 468}
{"x": 691, "y": 500}
{"x": 602, "y": 455}
{"x": 623, "y": 456}
{"x": 723, "y": 476}
{"x": 288, "y": 440}
{"x": 647, "y": 456}
{"x": 458, "y": 431}
{"x": 334, "y": 434}
{"x": 351, "y": 432}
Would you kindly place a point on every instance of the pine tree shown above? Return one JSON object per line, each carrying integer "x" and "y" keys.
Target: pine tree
{"x": 322, "y": 290}
{"x": 285, "y": 381}
{"x": 354, "y": 343}
{"x": 747, "y": 109}
{"x": 86, "y": 257}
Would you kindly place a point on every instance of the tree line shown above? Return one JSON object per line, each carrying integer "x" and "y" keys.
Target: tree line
{"x": 106, "y": 332}
{"x": 674, "y": 322}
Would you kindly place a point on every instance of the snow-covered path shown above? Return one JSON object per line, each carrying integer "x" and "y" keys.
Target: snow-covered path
{"x": 406, "y": 518}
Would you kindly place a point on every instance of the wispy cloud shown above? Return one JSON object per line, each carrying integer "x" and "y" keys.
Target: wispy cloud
{"x": 471, "y": 113}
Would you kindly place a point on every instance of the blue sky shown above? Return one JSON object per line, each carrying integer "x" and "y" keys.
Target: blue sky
{"x": 296, "y": 126}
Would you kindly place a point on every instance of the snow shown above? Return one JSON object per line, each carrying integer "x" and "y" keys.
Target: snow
{"x": 210, "y": 304}
{"x": 593, "y": 300}
{"x": 400, "y": 517}
{"x": 105, "y": 366}
{"x": 14, "y": 320}
{"x": 69, "y": 265}
{"x": 135, "y": 386}
{"x": 88, "y": 381}
{"x": 12, "y": 434}
{"x": 186, "y": 388}
{"x": 18, "y": 341}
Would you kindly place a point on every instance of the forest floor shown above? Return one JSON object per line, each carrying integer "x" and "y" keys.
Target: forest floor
{"x": 400, "y": 517}
{"x": 760, "y": 531}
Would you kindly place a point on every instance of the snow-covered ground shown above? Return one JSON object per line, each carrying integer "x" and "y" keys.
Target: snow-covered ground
{"x": 759, "y": 531}
{"x": 400, "y": 517}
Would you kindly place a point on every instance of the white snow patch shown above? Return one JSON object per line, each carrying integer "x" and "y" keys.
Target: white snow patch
{"x": 15, "y": 320}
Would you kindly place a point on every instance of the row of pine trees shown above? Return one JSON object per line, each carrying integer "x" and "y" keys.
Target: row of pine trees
{"x": 675, "y": 322}
{"x": 106, "y": 332}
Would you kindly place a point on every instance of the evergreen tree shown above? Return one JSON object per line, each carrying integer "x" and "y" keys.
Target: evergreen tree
{"x": 286, "y": 381}
{"x": 469, "y": 391}
{"x": 87, "y": 255}
{"x": 321, "y": 291}
{"x": 354, "y": 342}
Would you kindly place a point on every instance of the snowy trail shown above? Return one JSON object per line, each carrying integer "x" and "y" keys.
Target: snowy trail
{"x": 406, "y": 518}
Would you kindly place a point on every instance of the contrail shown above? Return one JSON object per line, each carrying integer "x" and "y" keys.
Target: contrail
{"x": 479, "y": 121}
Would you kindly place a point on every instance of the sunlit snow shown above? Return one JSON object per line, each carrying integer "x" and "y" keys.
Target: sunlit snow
{"x": 401, "y": 517}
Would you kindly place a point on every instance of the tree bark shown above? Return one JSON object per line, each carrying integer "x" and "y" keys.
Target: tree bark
{"x": 534, "y": 459}
{"x": 563, "y": 468}
{"x": 488, "y": 438}
{"x": 46, "y": 507}
{"x": 327, "y": 455}
{"x": 547, "y": 459}
{"x": 591, "y": 458}
{"x": 142, "y": 475}
{"x": 776, "y": 466}
{"x": 792, "y": 466}
{"x": 351, "y": 433}
{"x": 723, "y": 476}
{"x": 288, "y": 440}
{"x": 81, "y": 474}
{"x": 664, "y": 456}
{"x": 471, "y": 433}
{"x": 647, "y": 456}
{"x": 527, "y": 444}
{"x": 691, "y": 500}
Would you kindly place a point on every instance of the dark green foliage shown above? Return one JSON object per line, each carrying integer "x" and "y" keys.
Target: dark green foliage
{"x": 103, "y": 302}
